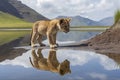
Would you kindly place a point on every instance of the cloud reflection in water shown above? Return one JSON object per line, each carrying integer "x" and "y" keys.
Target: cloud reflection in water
{"x": 76, "y": 58}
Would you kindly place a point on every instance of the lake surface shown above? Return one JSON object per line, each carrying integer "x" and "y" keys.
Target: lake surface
{"x": 60, "y": 64}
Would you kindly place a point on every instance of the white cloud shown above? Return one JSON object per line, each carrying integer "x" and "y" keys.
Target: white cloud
{"x": 75, "y": 78}
{"x": 98, "y": 76}
{"x": 94, "y": 9}
{"x": 107, "y": 63}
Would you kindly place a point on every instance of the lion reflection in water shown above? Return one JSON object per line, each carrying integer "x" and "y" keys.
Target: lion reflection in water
{"x": 51, "y": 63}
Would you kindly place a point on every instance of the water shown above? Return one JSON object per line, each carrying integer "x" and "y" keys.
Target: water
{"x": 60, "y": 64}
{"x": 84, "y": 65}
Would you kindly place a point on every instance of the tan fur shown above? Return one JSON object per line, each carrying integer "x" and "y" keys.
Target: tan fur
{"x": 51, "y": 63}
{"x": 49, "y": 28}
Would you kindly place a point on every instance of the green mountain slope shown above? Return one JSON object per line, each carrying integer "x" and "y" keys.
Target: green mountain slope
{"x": 8, "y": 21}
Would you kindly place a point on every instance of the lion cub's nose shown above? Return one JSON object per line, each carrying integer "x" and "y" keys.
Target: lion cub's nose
{"x": 67, "y": 31}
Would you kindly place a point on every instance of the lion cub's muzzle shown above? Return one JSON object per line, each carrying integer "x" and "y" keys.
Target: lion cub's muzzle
{"x": 66, "y": 31}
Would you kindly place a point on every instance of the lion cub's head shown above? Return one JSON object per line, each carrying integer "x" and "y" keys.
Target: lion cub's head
{"x": 64, "y": 67}
{"x": 64, "y": 24}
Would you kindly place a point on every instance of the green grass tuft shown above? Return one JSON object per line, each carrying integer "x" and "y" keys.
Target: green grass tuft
{"x": 117, "y": 16}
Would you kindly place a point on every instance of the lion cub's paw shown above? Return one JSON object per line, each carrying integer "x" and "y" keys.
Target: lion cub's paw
{"x": 33, "y": 45}
{"x": 57, "y": 44}
{"x": 54, "y": 46}
{"x": 42, "y": 44}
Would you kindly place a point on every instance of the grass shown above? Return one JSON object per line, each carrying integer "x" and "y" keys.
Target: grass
{"x": 9, "y": 21}
{"x": 117, "y": 16}
{"x": 7, "y": 36}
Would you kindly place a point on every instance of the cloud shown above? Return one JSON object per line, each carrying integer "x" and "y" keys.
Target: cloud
{"x": 75, "y": 78}
{"x": 98, "y": 76}
{"x": 22, "y": 60}
{"x": 107, "y": 63}
{"x": 94, "y": 9}
{"x": 99, "y": 8}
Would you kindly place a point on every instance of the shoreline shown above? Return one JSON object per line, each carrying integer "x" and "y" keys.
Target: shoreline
{"x": 8, "y": 51}
{"x": 72, "y": 29}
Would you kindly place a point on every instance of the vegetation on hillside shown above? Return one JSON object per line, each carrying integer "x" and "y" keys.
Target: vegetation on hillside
{"x": 9, "y": 21}
{"x": 117, "y": 16}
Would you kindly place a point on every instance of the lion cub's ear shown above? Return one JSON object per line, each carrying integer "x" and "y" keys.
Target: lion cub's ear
{"x": 68, "y": 19}
{"x": 61, "y": 21}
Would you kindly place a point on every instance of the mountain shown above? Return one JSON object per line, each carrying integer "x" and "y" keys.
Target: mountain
{"x": 81, "y": 21}
{"x": 18, "y": 9}
{"x": 107, "y": 21}
{"x": 6, "y": 7}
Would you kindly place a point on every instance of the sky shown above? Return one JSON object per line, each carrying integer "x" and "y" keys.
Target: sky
{"x": 92, "y": 9}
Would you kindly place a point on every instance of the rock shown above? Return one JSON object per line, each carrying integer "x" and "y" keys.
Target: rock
{"x": 111, "y": 35}
{"x": 108, "y": 39}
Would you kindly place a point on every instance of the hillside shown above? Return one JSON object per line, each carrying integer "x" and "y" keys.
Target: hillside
{"x": 7, "y": 21}
{"x": 81, "y": 21}
{"x": 107, "y": 21}
{"x": 16, "y": 8}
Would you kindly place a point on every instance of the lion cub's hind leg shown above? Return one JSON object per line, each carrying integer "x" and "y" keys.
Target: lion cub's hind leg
{"x": 33, "y": 38}
{"x": 39, "y": 39}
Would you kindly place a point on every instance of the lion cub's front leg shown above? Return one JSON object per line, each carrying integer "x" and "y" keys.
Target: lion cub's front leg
{"x": 52, "y": 42}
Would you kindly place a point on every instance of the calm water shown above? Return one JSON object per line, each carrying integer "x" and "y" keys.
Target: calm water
{"x": 60, "y": 64}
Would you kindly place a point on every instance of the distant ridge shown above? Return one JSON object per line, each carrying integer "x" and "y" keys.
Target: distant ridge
{"x": 81, "y": 21}
{"x": 107, "y": 21}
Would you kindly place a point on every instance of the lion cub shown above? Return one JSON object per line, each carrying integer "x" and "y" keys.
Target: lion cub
{"x": 49, "y": 28}
{"x": 51, "y": 63}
